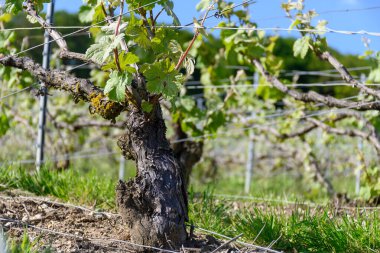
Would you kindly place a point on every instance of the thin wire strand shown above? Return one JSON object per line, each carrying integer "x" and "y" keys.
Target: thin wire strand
{"x": 80, "y": 237}
{"x": 310, "y": 204}
{"x": 55, "y": 203}
{"x": 314, "y": 114}
{"x": 66, "y": 157}
{"x": 324, "y": 12}
{"x": 77, "y": 66}
{"x": 83, "y": 29}
{"x": 82, "y": 155}
{"x": 52, "y": 27}
{"x": 264, "y": 249}
{"x": 16, "y": 92}
{"x": 249, "y": 2}
{"x": 254, "y": 86}
{"x": 96, "y": 25}
{"x": 278, "y": 29}
{"x": 275, "y": 29}
{"x": 302, "y": 71}
{"x": 210, "y": 16}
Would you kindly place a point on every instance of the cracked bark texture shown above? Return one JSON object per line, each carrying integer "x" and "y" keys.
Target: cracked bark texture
{"x": 154, "y": 203}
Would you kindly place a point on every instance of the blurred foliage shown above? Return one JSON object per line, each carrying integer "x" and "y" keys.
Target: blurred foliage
{"x": 210, "y": 58}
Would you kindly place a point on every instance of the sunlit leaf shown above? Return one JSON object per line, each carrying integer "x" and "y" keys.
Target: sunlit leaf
{"x": 301, "y": 46}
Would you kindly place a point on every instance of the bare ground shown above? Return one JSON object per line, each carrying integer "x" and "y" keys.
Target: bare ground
{"x": 68, "y": 228}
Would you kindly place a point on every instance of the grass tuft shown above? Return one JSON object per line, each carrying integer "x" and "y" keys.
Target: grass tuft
{"x": 70, "y": 185}
{"x": 295, "y": 228}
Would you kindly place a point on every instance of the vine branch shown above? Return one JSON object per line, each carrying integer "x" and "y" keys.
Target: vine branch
{"x": 57, "y": 37}
{"x": 313, "y": 96}
{"x": 183, "y": 56}
{"x": 81, "y": 89}
{"x": 346, "y": 76}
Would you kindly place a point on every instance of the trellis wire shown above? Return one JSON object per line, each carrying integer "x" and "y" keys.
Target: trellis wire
{"x": 171, "y": 26}
{"x": 279, "y": 29}
{"x": 96, "y": 25}
{"x": 83, "y": 29}
{"x": 77, "y": 66}
{"x": 325, "y": 12}
{"x": 292, "y": 72}
{"x": 210, "y": 16}
{"x": 48, "y": 201}
{"x": 241, "y": 242}
{"x": 282, "y": 201}
{"x": 65, "y": 157}
{"x": 190, "y": 87}
{"x": 284, "y": 72}
{"x": 287, "y": 112}
{"x": 311, "y": 85}
{"x": 79, "y": 155}
{"x": 123, "y": 14}
{"x": 80, "y": 237}
{"x": 16, "y": 92}
{"x": 275, "y": 29}
{"x": 217, "y": 14}
{"x": 317, "y": 113}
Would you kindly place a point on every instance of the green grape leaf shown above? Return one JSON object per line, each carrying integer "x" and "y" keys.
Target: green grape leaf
{"x": 115, "y": 3}
{"x": 188, "y": 103}
{"x": 138, "y": 33}
{"x": 13, "y": 6}
{"x": 116, "y": 85}
{"x": 170, "y": 86}
{"x": 99, "y": 52}
{"x": 162, "y": 78}
{"x": 127, "y": 59}
{"x": 90, "y": 2}
{"x": 168, "y": 6}
{"x": 146, "y": 106}
{"x": 96, "y": 52}
{"x": 374, "y": 75}
{"x": 295, "y": 23}
{"x": 292, "y": 5}
{"x": 86, "y": 13}
{"x": 202, "y": 5}
{"x": 175, "y": 47}
{"x": 301, "y": 46}
{"x": 142, "y": 39}
{"x": 215, "y": 120}
{"x": 98, "y": 14}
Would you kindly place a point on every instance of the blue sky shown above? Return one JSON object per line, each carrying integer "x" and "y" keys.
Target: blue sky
{"x": 368, "y": 20}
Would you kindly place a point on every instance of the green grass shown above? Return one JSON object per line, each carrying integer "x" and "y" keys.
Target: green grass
{"x": 22, "y": 245}
{"x": 299, "y": 230}
{"x": 296, "y": 228}
{"x": 70, "y": 185}
{"x": 279, "y": 186}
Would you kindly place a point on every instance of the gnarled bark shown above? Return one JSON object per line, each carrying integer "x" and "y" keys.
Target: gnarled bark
{"x": 154, "y": 203}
